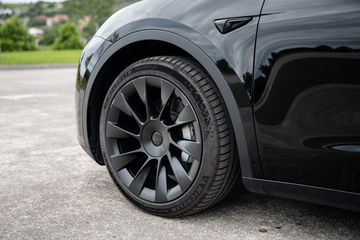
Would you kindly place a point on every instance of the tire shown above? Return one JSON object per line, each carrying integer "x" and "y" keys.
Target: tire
{"x": 175, "y": 155}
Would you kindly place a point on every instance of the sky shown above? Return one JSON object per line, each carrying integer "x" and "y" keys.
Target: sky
{"x": 27, "y": 1}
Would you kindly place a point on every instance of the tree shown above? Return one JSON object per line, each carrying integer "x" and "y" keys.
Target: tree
{"x": 69, "y": 37}
{"x": 89, "y": 30}
{"x": 37, "y": 22}
{"x": 97, "y": 10}
{"x": 0, "y": 38}
{"x": 14, "y": 36}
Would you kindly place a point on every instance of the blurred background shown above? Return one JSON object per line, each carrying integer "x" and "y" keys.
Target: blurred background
{"x": 50, "y": 31}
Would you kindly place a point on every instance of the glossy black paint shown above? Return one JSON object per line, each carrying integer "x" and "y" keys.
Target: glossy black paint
{"x": 290, "y": 72}
{"x": 89, "y": 58}
{"x": 307, "y": 92}
{"x": 194, "y": 31}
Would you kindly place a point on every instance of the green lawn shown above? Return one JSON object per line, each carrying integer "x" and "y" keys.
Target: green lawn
{"x": 40, "y": 57}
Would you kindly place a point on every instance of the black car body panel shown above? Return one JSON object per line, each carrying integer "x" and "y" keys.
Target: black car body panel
{"x": 307, "y": 93}
{"x": 250, "y": 65}
{"x": 89, "y": 58}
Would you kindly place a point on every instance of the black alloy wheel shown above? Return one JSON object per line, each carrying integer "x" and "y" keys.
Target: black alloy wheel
{"x": 159, "y": 143}
{"x": 154, "y": 139}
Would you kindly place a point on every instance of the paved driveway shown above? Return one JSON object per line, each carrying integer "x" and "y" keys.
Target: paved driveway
{"x": 50, "y": 189}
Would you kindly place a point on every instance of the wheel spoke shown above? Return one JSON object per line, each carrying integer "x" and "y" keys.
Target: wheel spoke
{"x": 138, "y": 182}
{"x": 113, "y": 131}
{"x": 186, "y": 116}
{"x": 167, "y": 91}
{"x": 140, "y": 86}
{"x": 119, "y": 161}
{"x": 161, "y": 185}
{"x": 190, "y": 147}
{"x": 121, "y": 103}
{"x": 180, "y": 174}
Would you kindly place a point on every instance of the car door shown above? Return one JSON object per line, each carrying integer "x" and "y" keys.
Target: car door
{"x": 306, "y": 92}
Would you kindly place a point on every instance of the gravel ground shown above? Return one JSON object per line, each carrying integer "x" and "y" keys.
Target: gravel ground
{"x": 50, "y": 189}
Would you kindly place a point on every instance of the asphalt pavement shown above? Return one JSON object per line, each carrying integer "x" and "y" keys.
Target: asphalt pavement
{"x": 50, "y": 189}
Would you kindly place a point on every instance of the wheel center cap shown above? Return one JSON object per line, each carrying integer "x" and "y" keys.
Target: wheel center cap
{"x": 157, "y": 138}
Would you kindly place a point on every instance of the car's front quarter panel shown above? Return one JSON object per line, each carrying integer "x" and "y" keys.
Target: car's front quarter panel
{"x": 194, "y": 20}
{"x": 191, "y": 23}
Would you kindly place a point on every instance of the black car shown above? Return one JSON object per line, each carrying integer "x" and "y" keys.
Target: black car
{"x": 181, "y": 98}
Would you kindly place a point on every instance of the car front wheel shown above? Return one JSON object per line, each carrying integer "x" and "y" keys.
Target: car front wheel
{"x": 166, "y": 137}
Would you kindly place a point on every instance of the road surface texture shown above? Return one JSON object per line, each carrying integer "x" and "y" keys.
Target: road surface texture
{"x": 50, "y": 189}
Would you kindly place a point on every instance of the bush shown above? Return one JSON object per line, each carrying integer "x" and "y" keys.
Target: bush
{"x": 14, "y": 36}
{"x": 50, "y": 34}
{"x": 69, "y": 37}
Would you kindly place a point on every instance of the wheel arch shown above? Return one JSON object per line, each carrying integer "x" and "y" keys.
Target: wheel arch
{"x": 147, "y": 43}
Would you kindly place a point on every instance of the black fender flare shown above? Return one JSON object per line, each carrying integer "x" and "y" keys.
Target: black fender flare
{"x": 208, "y": 63}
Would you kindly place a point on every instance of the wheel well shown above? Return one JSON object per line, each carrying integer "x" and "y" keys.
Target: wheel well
{"x": 109, "y": 71}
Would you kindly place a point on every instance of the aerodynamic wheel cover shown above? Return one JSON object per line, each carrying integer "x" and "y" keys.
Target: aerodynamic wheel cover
{"x": 153, "y": 139}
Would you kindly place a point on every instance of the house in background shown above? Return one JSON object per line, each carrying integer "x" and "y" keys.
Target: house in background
{"x": 36, "y": 32}
{"x": 50, "y": 21}
{"x": 5, "y": 12}
{"x": 58, "y": 18}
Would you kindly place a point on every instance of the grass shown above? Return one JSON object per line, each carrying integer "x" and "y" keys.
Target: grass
{"x": 40, "y": 57}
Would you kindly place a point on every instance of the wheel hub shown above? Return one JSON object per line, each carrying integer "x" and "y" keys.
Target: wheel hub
{"x": 155, "y": 138}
